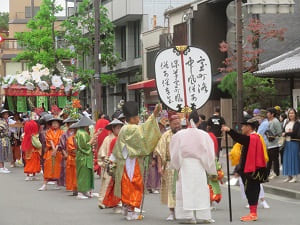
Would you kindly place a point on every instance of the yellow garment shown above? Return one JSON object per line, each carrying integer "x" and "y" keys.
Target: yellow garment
{"x": 235, "y": 153}
{"x": 265, "y": 148}
{"x": 104, "y": 149}
{"x": 140, "y": 141}
{"x": 167, "y": 180}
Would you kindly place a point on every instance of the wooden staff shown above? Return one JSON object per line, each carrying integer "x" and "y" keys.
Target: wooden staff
{"x": 146, "y": 165}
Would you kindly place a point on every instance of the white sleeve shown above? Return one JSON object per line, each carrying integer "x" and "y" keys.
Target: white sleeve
{"x": 125, "y": 152}
{"x": 175, "y": 152}
{"x": 210, "y": 163}
{"x": 112, "y": 158}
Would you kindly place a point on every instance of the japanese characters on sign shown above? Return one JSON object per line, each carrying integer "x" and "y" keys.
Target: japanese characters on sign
{"x": 173, "y": 91}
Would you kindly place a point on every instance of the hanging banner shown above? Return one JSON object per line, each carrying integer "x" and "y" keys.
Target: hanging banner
{"x": 62, "y": 101}
{"x": 21, "y": 104}
{"x": 183, "y": 77}
{"x": 42, "y": 101}
{"x": 10, "y": 102}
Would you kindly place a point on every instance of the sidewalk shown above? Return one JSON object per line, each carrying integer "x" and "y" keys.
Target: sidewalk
{"x": 275, "y": 186}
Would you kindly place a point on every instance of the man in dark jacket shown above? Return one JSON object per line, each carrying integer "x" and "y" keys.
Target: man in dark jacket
{"x": 214, "y": 124}
{"x": 253, "y": 163}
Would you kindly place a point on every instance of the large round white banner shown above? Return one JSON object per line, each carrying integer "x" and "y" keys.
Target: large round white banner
{"x": 183, "y": 78}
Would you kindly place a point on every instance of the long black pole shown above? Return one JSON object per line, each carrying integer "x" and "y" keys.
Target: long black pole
{"x": 228, "y": 178}
{"x": 239, "y": 38}
{"x": 97, "y": 64}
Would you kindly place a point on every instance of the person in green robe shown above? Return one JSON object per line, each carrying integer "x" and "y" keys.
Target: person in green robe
{"x": 135, "y": 142}
{"x": 84, "y": 158}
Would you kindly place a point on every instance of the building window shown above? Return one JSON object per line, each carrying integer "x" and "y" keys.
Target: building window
{"x": 137, "y": 42}
{"x": 28, "y": 11}
{"x": 180, "y": 34}
{"x": 150, "y": 57}
{"x": 123, "y": 42}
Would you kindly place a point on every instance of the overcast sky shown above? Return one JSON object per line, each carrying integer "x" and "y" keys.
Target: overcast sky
{"x": 4, "y": 5}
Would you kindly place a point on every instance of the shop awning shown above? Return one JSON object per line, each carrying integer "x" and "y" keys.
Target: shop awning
{"x": 142, "y": 85}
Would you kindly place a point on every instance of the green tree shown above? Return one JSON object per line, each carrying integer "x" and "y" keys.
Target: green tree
{"x": 4, "y": 17}
{"x": 79, "y": 33}
{"x": 257, "y": 92}
{"x": 40, "y": 42}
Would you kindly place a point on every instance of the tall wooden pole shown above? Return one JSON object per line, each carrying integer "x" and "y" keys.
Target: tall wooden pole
{"x": 239, "y": 38}
{"x": 97, "y": 64}
{"x": 32, "y": 9}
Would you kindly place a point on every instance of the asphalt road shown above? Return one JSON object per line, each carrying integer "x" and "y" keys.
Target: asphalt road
{"x": 22, "y": 204}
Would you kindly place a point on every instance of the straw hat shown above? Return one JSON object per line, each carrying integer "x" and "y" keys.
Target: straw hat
{"x": 83, "y": 122}
{"x": 121, "y": 116}
{"x": 115, "y": 122}
{"x": 70, "y": 120}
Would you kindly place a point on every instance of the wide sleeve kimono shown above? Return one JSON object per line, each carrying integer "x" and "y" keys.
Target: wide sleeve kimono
{"x": 193, "y": 143}
{"x": 138, "y": 141}
{"x": 84, "y": 161}
{"x": 52, "y": 165}
{"x": 84, "y": 149}
{"x": 162, "y": 148}
{"x": 54, "y": 136}
{"x": 104, "y": 149}
{"x": 32, "y": 156}
{"x": 192, "y": 153}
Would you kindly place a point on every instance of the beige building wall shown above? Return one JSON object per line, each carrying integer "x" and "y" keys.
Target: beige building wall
{"x": 17, "y": 19}
{"x": 150, "y": 42}
{"x": 17, "y": 23}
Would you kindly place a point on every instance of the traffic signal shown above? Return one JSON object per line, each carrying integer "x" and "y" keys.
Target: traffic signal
{"x": 1, "y": 39}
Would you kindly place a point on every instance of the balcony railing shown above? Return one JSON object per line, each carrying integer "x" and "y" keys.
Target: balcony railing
{"x": 20, "y": 15}
{"x": 10, "y": 45}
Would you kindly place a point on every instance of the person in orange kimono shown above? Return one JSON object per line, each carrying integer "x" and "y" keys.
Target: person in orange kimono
{"x": 32, "y": 148}
{"x": 103, "y": 158}
{"x": 52, "y": 157}
{"x": 134, "y": 143}
{"x": 71, "y": 180}
{"x": 110, "y": 200}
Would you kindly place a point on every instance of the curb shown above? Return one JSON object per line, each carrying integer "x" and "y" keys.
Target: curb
{"x": 281, "y": 191}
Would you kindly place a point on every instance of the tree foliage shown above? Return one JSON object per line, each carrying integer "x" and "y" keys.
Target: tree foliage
{"x": 80, "y": 32}
{"x": 4, "y": 17}
{"x": 40, "y": 42}
{"x": 251, "y": 50}
{"x": 257, "y": 92}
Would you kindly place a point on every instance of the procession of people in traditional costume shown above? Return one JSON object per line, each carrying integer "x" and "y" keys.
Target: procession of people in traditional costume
{"x": 133, "y": 157}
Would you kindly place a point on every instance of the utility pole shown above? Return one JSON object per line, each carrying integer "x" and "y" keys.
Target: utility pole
{"x": 97, "y": 64}
{"x": 239, "y": 38}
{"x": 32, "y": 9}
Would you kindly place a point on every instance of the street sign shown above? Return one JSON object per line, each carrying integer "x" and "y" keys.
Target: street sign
{"x": 183, "y": 77}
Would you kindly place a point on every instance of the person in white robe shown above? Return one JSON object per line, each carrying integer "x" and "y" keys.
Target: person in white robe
{"x": 193, "y": 156}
